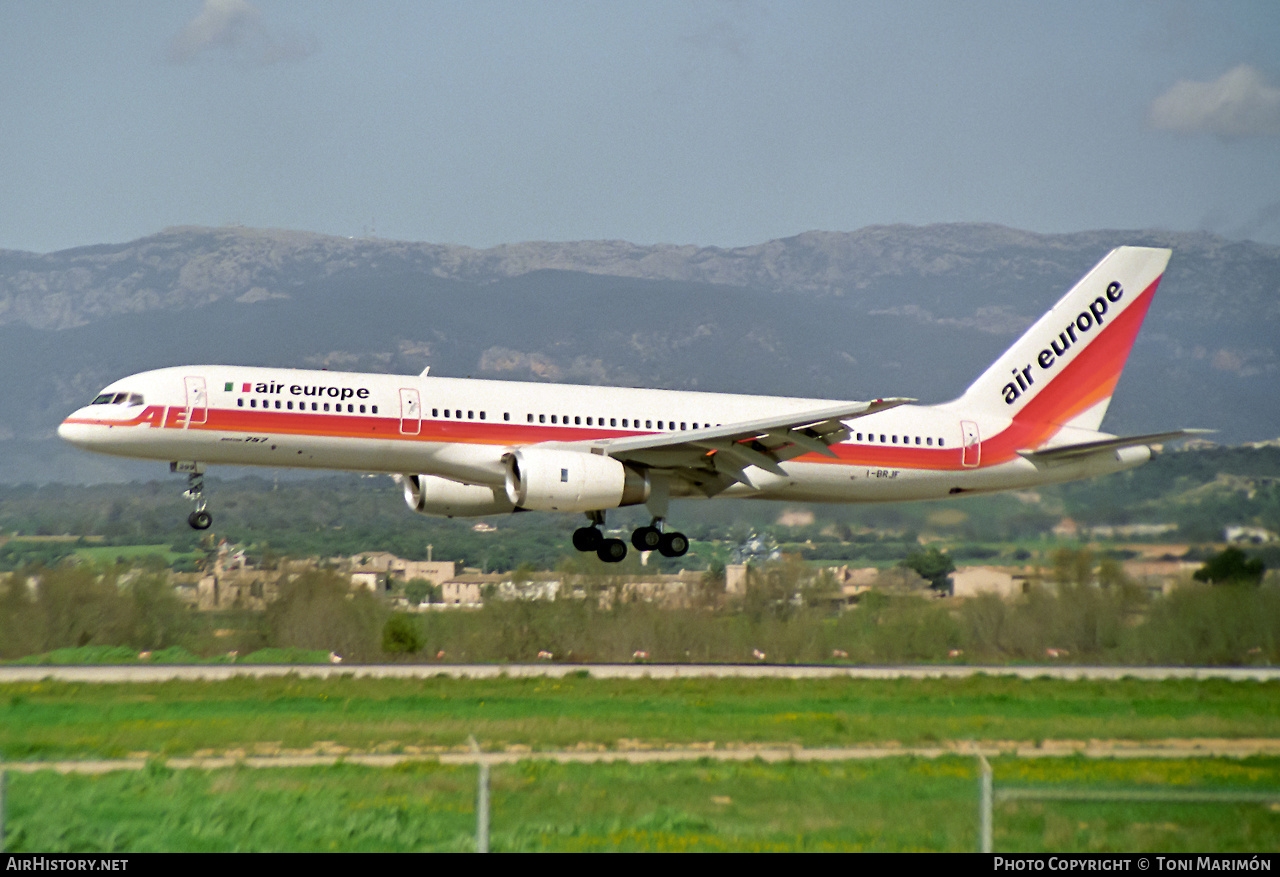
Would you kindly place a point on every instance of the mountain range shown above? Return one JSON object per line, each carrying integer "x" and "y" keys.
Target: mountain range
{"x": 886, "y": 310}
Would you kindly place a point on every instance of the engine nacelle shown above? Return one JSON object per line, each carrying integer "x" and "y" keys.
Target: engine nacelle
{"x": 571, "y": 481}
{"x": 432, "y": 495}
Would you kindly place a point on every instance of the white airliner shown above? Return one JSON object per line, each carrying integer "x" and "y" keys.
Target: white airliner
{"x": 471, "y": 447}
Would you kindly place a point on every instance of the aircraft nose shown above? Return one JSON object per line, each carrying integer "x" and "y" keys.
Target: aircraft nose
{"x": 75, "y": 433}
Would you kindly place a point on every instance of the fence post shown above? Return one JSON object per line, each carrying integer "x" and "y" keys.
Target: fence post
{"x": 482, "y": 798}
{"x": 482, "y": 810}
{"x": 984, "y": 804}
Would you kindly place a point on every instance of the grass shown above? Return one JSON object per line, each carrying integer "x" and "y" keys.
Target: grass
{"x": 109, "y": 553}
{"x": 895, "y": 804}
{"x": 51, "y": 719}
{"x": 900, "y": 804}
{"x": 115, "y": 655}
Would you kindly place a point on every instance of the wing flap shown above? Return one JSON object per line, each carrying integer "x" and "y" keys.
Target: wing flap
{"x": 715, "y": 457}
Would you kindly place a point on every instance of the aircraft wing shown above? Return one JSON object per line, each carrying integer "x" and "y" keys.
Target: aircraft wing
{"x": 715, "y": 457}
{"x": 1063, "y": 453}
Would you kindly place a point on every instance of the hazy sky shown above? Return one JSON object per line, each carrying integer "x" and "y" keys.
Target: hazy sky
{"x": 711, "y": 123}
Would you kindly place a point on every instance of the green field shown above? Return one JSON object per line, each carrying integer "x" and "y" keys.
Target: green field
{"x": 898, "y": 803}
{"x": 51, "y": 719}
{"x": 130, "y": 553}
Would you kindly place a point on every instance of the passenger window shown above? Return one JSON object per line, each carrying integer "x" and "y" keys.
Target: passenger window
{"x": 446, "y": 412}
{"x": 542, "y": 418}
{"x": 471, "y": 415}
{"x": 326, "y": 406}
{"x": 613, "y": 421}
{"x": 553, "y": 418}
{"x": 253, "y": 403}
{"x": 588, "y": 421}
{"x": 239, "y": 403}
{"x": 482, "y": 415}
{"x": 374, "y": 410}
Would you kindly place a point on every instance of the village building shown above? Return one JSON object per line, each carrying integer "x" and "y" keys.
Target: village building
{"x": 971, "y": 581}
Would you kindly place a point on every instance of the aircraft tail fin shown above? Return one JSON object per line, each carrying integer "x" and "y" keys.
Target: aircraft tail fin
{"x": 1063, "y": 370}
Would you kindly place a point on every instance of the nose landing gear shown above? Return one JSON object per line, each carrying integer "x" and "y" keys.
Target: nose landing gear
{"x": 200, "y": 519}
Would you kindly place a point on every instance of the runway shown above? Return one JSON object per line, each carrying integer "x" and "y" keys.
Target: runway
{"x": 166, "y": 672}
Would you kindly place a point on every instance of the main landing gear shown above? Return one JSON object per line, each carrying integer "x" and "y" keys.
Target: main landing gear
{"x": 199, "y": 519}
{"x": 668, "y": 543}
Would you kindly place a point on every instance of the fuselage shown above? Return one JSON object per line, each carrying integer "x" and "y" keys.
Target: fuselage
{"x": 459, "y": 429}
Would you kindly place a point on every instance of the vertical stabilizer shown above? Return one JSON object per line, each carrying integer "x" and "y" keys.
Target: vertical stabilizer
{"x": 1063, "y": 370}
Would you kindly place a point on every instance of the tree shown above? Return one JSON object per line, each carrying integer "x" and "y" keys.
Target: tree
{"x": 401, "y": 636}
{"x": 1232, "y": 566}
{"x": 318, "y": 610}
{"x": 933, "y": 566}
{"x": 418, "y": 591}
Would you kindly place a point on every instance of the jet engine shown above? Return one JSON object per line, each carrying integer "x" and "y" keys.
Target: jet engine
{"x": 571, "y": 481}
{"x": 433, "y": 495}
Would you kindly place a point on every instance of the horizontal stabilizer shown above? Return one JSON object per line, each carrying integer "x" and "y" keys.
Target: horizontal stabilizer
{"x": 1085, "y": 449}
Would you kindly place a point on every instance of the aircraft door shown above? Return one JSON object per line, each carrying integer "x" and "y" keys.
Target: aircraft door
{"x": 410, "y": 412}
{"x": 197, "y": 400}
{"x": 972, "y": 453}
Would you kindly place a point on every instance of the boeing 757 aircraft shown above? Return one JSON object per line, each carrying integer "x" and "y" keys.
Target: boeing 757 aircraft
{"x": 470, "y": 447}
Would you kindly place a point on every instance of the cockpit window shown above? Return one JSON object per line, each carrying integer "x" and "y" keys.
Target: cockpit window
{"x": 130, "y": 399}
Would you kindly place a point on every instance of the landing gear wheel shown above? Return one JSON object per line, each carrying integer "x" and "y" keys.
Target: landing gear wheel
{"x": 612, "y": 550}
{"x": 199, "y": 519}
{"x": 646, "y": 538}
{"x": 587, "y": 538}
{"x": 673, "y": 545}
